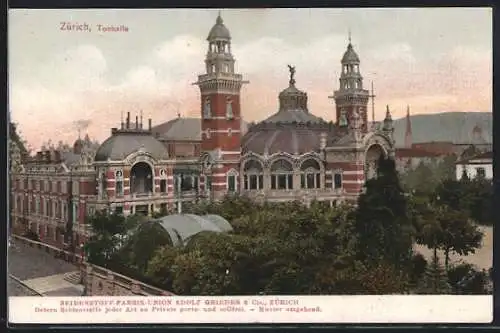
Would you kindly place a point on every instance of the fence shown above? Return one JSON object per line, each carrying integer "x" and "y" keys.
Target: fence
{"x": 58, "y": 253}
{"x": 100, "y": 281}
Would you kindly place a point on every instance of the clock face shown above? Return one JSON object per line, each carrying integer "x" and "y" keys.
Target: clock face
{"x": 162, "y": 172}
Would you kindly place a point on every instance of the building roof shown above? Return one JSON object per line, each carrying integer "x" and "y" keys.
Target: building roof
{"x": 350, "y": 56}
{"x": 416, "y": 153}
{"x": 121, "y": 144}
{"x": 290, "y": 138}
{"x": 476, "y": 158}
{"x": 181, "y": 227}
{"x": 183, "y": 129}
{"x": 219, "y": 30}
{"x": 293, "y": 129}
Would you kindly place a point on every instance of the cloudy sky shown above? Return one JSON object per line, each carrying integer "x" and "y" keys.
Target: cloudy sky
{"x": 435, "y": 60}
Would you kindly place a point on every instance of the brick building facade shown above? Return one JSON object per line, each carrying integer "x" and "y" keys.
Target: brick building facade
{"x": 291, "y": 155}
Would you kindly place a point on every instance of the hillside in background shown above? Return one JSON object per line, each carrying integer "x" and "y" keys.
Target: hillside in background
{"x": 447, "y": 126}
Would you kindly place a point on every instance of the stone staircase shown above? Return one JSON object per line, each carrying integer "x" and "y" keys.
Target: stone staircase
{"x": 73, "y": 277}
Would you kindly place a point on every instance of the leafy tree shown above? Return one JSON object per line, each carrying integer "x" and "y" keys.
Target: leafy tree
{"x": 382, "y": 224}
{"x": 480, "y": 201}
{"x": 450, "y": 231}
{"x": 465, "y": 176}
{"x": 465, "y": 279}
{"x": 422, "y": 171}
{"x": 143, "y": 243}
{"x": 435, "y": 280}
{"x": 160, "y": 265}
{"x": 446, "y": 168}
{"x": 109, "y": 234}
{"x": 418, "y": 268}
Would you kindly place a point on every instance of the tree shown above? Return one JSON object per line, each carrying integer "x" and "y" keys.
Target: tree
{"x": 109, "y": 235}
{"x": 466, "y": 280}
{"x": 382, "y": 223}
{"x": 446, "y": 168}
{"x": 160, "y": 265}
{"x": 435, "y": 280}
{"x": 480, "y": 201}
{"x": 450, "y": 231}
{"x": 419, "y": 266}
{"x": 143, "y": 243}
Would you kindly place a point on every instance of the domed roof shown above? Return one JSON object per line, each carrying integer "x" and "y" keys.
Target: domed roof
{"x": 219, "y": 30}
{"x": 289, "y": 138}
{"x": 121, "y": 144}
{"x": 182, "y": 227}
{"x": 292, "y": 129}
{"x": 350, "y": 56}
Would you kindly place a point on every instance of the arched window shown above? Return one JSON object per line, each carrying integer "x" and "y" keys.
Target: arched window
{"x": 141, "y": 179}
{"x": 310, "y": 176}
{"x": 119, "y": 183}
{"x": 253, "y": 177}
{"x": 231, "y": 181}
{"x": 282, "y": 175}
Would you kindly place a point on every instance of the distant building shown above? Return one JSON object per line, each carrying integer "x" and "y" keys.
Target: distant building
{"x": 412, "y": 154}
{"x": 480, "y": 165}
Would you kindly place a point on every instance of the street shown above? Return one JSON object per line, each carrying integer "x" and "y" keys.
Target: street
{"x": 33, "y": 271}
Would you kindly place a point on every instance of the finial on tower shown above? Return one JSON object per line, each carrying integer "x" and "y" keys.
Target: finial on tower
{"x": 292, "y": 74}
{"x": 349, "y": 36}
{"x": 219, "y": 19}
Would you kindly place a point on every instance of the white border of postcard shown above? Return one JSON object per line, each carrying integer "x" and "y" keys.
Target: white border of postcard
{"x": 251, "y": 309}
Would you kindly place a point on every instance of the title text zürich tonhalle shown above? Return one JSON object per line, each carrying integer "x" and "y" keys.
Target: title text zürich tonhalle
{"x": 85, "y": 27}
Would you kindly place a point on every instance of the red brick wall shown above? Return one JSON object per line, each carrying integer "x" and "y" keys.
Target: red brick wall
{"x": 222, "y": 140}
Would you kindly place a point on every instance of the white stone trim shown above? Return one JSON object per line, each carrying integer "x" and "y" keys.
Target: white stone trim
{"x": 359, "y": 181}
{"x": 358, "y": 172}
{"x": 219, "y": 184}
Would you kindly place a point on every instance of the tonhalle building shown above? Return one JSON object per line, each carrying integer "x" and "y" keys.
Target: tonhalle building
{"x": 291, "y": 155}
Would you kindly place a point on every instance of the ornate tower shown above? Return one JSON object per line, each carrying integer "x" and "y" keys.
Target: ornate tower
{"x": 221, "y": 120}
{"x": 408, "y": 134}
{"x": 351, "y": 96}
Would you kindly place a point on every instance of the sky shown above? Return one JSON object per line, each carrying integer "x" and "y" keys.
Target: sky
{"x": 432, "y": 59}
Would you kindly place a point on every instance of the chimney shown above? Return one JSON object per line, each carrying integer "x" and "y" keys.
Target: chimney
{"x": 150, "y": 123}
{"x": 136, "y": 122}
{"x": 57, "y": 156}
{"x": 128, "y": 120}
{"x": 121, "y": 121}
{"x": 39, "y": 156}
{"x": 47, "y": 155}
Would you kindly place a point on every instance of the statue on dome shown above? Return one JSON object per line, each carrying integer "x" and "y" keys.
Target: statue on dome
{"x": 292, "y": 74}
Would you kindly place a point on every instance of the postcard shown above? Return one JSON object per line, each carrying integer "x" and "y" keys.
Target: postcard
{"x": 250, "y": 165}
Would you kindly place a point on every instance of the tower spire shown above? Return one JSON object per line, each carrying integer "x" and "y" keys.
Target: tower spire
{"x": 408, "y": 134}
{"x": 349, "y": 35}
